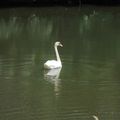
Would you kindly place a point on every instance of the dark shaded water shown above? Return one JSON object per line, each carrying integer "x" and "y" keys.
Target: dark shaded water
{"x": 89, "y": 82}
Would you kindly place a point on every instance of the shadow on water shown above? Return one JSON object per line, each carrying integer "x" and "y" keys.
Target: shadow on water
{"x": 87, "y": 84}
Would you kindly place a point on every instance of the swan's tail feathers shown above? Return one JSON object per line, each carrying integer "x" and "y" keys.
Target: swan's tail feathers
{"x": 95, "y": 117}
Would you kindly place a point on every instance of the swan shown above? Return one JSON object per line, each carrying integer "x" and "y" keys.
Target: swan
{"x": 52, "y": 64}
{"x": 95, "y": 117}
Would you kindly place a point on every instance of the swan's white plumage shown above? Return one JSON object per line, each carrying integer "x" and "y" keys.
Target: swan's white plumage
{"x": 52, "y": 64}
{"x": 95, "y": 117}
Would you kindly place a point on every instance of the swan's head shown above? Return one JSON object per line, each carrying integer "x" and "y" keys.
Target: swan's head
{"x": 58, "y": 44}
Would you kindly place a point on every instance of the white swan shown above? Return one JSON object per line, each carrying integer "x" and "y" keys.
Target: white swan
{"x": 95, "y": 117}
{"x": 52, "y": 64}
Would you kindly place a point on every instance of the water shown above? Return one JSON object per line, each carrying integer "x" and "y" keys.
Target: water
{"x": 88, "y": 84}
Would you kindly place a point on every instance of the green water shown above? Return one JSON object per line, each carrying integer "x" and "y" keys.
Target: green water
{"x": 89, "y": 81}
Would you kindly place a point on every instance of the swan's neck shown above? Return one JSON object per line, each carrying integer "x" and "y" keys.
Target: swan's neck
{"x": 57, "y": 54}
{"x": 95, "y": 117}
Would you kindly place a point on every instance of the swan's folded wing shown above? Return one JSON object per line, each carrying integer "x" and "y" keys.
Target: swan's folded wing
{"x": 51, "y": 64}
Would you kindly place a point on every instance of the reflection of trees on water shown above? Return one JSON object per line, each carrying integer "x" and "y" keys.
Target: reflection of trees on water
{"x": 17, "y": 28}
{"x": 9, "y": 28}
{"x": 86, "y": 33}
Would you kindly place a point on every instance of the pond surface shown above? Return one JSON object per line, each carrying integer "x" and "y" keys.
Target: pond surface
{"x": 89, "y": 81}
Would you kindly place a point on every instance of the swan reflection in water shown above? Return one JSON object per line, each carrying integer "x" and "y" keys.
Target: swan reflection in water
{"x": 52, "y": 76}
